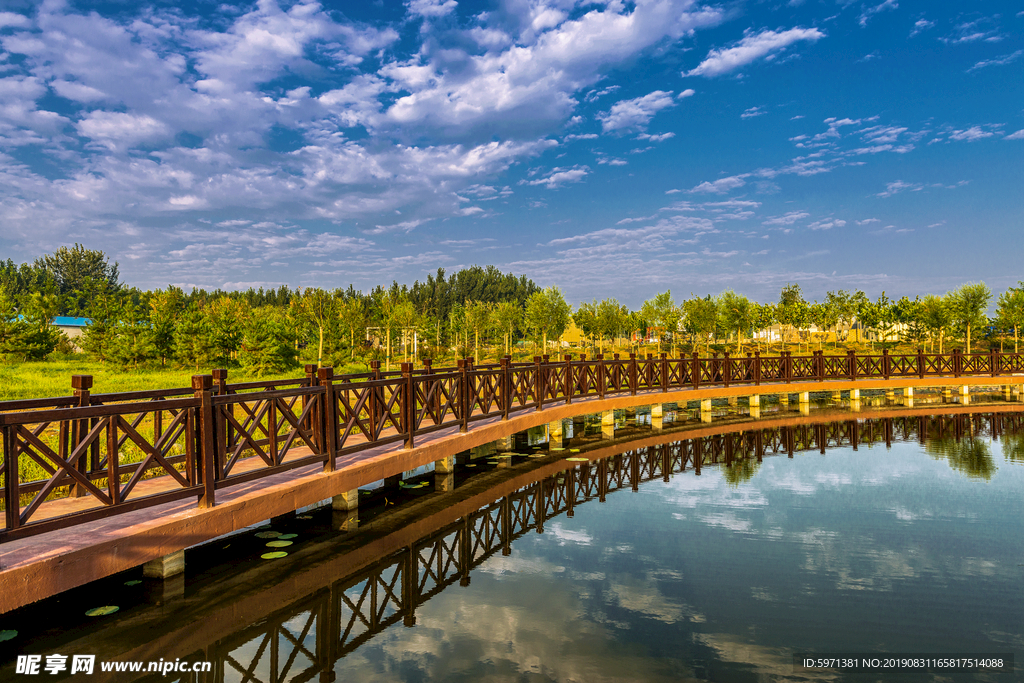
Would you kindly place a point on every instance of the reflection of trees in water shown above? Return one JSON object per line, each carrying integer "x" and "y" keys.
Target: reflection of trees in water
{"x": 1013, "y": 446}
{"x": 741, "y": 470}
{"x": 966, "y": 455}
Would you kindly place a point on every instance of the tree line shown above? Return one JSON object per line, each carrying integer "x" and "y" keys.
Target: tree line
{"x": 467, "y": 313}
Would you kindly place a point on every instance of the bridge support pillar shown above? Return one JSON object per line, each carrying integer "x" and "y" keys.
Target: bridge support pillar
{"x": 965, "y": 394}
{"x": 346, "y": 501}
{"x": 854, "y": 394}
{"x": 837, "y": 396}
{"x": 165, "y": 567}
{"x": 555, "y": 434}
{"x": 705, "y": 410}
{"x": 855, "y": 405}
{"x": 804, "y": 397}
{"x": 947, "y": 394}
{"x": 754, "y": 401}
{"x": 608, "y": 424}
{"x": 657, "y": 417}
{"x": 444, "y": 483}
{"x": 805, "y": 408}
{"x": 908, "y": 397}
{"x": 1007, "y": 393}
{"x": 890, "y": 395}
{"x": 755, "y": 412}
{"x": 444, "y": 465}
{"x": 345, "y": 520}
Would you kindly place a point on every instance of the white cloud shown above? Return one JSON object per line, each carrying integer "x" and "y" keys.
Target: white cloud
{"x": 872, "y": 11}
{"x": 997, "y": 61}
{"x": 689, "y": 92}
{"x": 752, "y": 112}
{"x": 971, "y": 134}
{"x": 636, "y": 113}
{"x": 787, "y": 219}
{"x": 661, "y": 137}
{"x": 721, "y": 186}
{"x": 921, "y": 25}
{"x": 826, "y": 224}
{"x": 1019, "y": 135}
{"x": 560, "y": 176}
{"x": 868, "y": 221}
{"x": 898, "y": 186}
{"x": 116, "y": 129}
{"x": 431, "y": 8}
{"x": 751, "y": 48}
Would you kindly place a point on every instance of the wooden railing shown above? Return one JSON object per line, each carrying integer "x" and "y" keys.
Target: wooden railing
{"x": 87, "y": 456}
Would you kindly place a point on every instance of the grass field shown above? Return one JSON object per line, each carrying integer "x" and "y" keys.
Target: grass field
{"x": 53, "y": 378}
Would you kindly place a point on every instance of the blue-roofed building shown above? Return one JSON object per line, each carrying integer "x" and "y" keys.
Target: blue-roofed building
{"x": 72, "y": 327}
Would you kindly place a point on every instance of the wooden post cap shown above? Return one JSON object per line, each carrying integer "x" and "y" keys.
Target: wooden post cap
{"x": 202, "y": 382}
{"x": 81, "y": 382}
{"x": 310, "y": 368}
{"x": 325, "y": 373}
{"x": 220, "y": 374}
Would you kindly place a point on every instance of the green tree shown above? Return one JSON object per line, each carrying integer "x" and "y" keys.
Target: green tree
{"x": 1010, "y": 311}
{"x": 701, "y": 318}
{"x": 791, "y": 310}
{"x": 352, "y": 314}
{"x": 266, "y": 348}
{"x": 763, "y": 316}
{"x": 72, "y": 268}
{"x": 478, "y": 319}
{"x": 165, "y": 307}
{"x": 508, "y": 316}
{"x": 318, "y": 308}
{"x": 547, "y": 313}
{"x": 611, "y": 318}
{"x": 226, "y": 317}
{"x": 935, "y": 316}
{"x": 737, "y": 314}
{"x": 131, "y": 343}
{"x": 585, "y": 319}
{"x": 967, "y": 305}
{"x": 193, "y": 346}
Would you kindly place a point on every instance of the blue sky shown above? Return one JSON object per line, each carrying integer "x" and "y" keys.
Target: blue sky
{"x": 612, "y": 148}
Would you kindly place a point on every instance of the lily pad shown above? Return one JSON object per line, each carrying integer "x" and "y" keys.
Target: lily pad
{"x": 577, "y": 459}
{"x": 470, "y": 465}
{"x": 279, "y": 544}
{"x": 102, "y": 611}
{"x": 574, "y": 450}
{"x": 226, "y": 547}
{"x": 8, "y": 635}
{"x": 268, "y": 534}
{"x": 133, "y": 582}
{"x": 503, "y": 457}
{"x": 303, "y": 517}
{"x": 285, "y": 537}
{"x": 538, "y": 455}
{"x": 556, "y": 449}
{"x": 274, "y": 555}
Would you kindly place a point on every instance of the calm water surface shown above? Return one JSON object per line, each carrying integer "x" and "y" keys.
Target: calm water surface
{"x": 723, "y": 576}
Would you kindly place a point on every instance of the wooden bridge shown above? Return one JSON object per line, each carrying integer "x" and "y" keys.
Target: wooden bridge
{"x": 340, "y": 597}
{"x": 118, "y": 480}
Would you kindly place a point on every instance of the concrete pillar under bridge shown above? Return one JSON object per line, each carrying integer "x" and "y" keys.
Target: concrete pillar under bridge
{"x": 657, "y": 417}
{"x": 705, "y": 410}
{"x": 608, "y": 424}
{"x": 555, "y": 434}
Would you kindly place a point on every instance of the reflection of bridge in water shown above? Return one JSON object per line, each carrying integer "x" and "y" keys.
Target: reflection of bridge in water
{"x": 303, "y": 639}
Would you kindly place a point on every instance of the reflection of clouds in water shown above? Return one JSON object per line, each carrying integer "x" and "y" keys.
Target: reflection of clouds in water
{"x": 564, "y": 535}
{"x": 763, "y": 594}
{"x": 726, "y": 520}
{"x": 516, "y": 563}
{"x": 503, "y": 632}
{"x": 643, "y": 597}
{"x": 767, "y": 663}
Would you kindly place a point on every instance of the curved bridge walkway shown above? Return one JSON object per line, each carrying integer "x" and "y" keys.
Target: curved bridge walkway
{"x": 342, "y": 595}
{"x": 119, "y": 480}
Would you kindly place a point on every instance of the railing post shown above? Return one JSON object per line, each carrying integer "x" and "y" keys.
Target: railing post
{"x": 920, "y": 363}
{"x": 957, "y": 363}
{"x": 663, "y": 368}
{"x": 851, "y": 364}
{"x": 506, "y": 388}
{"x": 12, "y": 480}
{"x": 538, "y": 381}
{"x": 993, "y": 358}
{"x": 202, "y": 386}
{"x": 601, "y": 382}
{"x": 726, "y": 370}
{"x": 220, "y": 381}
{"x": 464, "y": 394}
{"x": 885, "y": 363}
{"x": 632, "y": 374}
{"x": 409, "y": 405}
{"x": 568, "y": 384}
{"x": 757, "y": 368}
{"x": 787, "y": 361}
{"x": 820, "y": 360}
{"x": 328, "y": 418}
{"x": 375, "y": 404}
{"x": 80, "y": 385}
{"x": 695, "y": 371}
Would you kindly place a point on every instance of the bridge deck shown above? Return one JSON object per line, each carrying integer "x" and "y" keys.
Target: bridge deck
{"x": 36, "y": 567}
